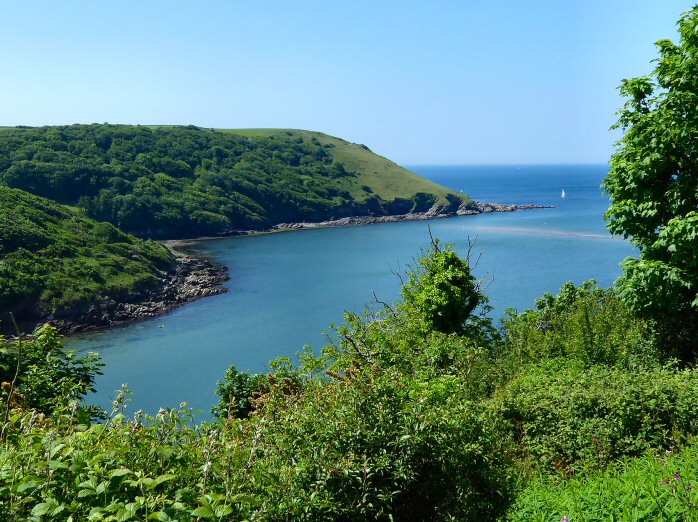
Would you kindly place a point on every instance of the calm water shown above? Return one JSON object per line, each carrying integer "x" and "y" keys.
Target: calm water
{"x": 286, "y": 289}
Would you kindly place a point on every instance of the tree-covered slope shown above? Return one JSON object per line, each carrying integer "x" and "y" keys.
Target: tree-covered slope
{"x": 187, "y": 181}
{"x": 52, "y": 258}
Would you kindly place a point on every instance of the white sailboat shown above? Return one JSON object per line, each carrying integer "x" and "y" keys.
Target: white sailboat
{"x": 563, "y": 195}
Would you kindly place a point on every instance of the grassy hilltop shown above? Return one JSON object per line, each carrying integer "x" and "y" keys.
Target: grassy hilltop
{"x": 174, "y": 182}
{"x": 386, "y": 179}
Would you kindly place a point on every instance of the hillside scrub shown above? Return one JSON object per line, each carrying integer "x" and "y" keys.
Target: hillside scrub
{"x": 52, "y": 258}
{"x": 344, "y": 435}
{"x": 584, "y": 323}
{"x": 568, "y": 418}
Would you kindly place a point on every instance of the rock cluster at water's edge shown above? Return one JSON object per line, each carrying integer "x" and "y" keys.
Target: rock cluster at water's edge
{"x": 464, "y": 210}
{"x": 193, "y": 279}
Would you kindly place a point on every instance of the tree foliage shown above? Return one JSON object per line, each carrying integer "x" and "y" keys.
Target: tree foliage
{"x": 442, "y": 289}
{"x": 653, "y": 184}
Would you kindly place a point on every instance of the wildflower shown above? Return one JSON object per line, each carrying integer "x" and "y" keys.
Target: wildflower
{"x": 677, "y": 476}
{"x": 667, "y": 452}
{"x": 565, "y": 519}
{"x": 207, "y": 466}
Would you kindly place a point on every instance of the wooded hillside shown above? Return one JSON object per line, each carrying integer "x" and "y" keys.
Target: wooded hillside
{"x": 175, "y": 182}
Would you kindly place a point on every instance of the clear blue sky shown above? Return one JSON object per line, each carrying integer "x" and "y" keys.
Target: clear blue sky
{"x": 468, "y": 81}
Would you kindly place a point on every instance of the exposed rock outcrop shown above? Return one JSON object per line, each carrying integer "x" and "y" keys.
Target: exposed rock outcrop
{"x": 434, "y": 213}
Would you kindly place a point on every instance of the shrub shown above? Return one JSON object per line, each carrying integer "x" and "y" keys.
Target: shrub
{"x": 585, "y": 323}
{"x": 566, "y": 417}
{"x": 41, "y": 376}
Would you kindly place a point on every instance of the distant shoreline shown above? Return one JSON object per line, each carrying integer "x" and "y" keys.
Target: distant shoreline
{"x": 183, "y": 245}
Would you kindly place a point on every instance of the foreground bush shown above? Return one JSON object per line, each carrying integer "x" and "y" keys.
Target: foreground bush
{"x": 38, "y": 374}
{"x": 384, "y": 425}
{"x": 365, "y": 446}
{"x": 567, "y": 417}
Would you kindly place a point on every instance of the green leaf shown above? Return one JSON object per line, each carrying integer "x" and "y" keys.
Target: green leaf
{"x": 42, "y": 509}
{"x": 223, "y": 510}
{"x": 203, "y": 511}
{"x": 26, "y": 486}
{"x": 119, "y": 472}
{"x": 244, "y": 498}
{"x": 164, "y": 478}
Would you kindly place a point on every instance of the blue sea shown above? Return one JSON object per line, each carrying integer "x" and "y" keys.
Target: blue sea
{"x": 287, "y": 288}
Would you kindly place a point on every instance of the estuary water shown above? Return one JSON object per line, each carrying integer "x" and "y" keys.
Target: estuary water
{"x": 287, "y": 288}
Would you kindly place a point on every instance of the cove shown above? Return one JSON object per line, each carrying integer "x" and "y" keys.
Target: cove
{"x": 287, "y": 288}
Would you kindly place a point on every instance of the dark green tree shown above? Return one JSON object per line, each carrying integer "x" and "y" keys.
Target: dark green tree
{"x": 236, "y": 393}
{"x": 444, "y": 292}
{"x": 653, "y": 184}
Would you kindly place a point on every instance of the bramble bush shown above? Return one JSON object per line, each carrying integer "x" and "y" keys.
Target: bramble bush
{"x": 582, "y": 383}
{"x": 567, "y": 417}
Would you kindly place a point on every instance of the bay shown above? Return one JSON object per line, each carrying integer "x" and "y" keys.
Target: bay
{"x": 287, "y": 288}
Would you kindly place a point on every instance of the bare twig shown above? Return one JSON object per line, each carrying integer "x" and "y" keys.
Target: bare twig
{"x": 385, "y": 305}
{"x": 468, "y": 257}
{"x": 479, "y": 283}
{"x": 398, "y": 274}
{"x": 365, "y": 356}
{"x": 434, "y": 242}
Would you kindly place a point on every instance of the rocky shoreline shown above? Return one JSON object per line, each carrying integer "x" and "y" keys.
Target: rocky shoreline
{"x": 193, "y": 279}
{"x": 464, "y": 210}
